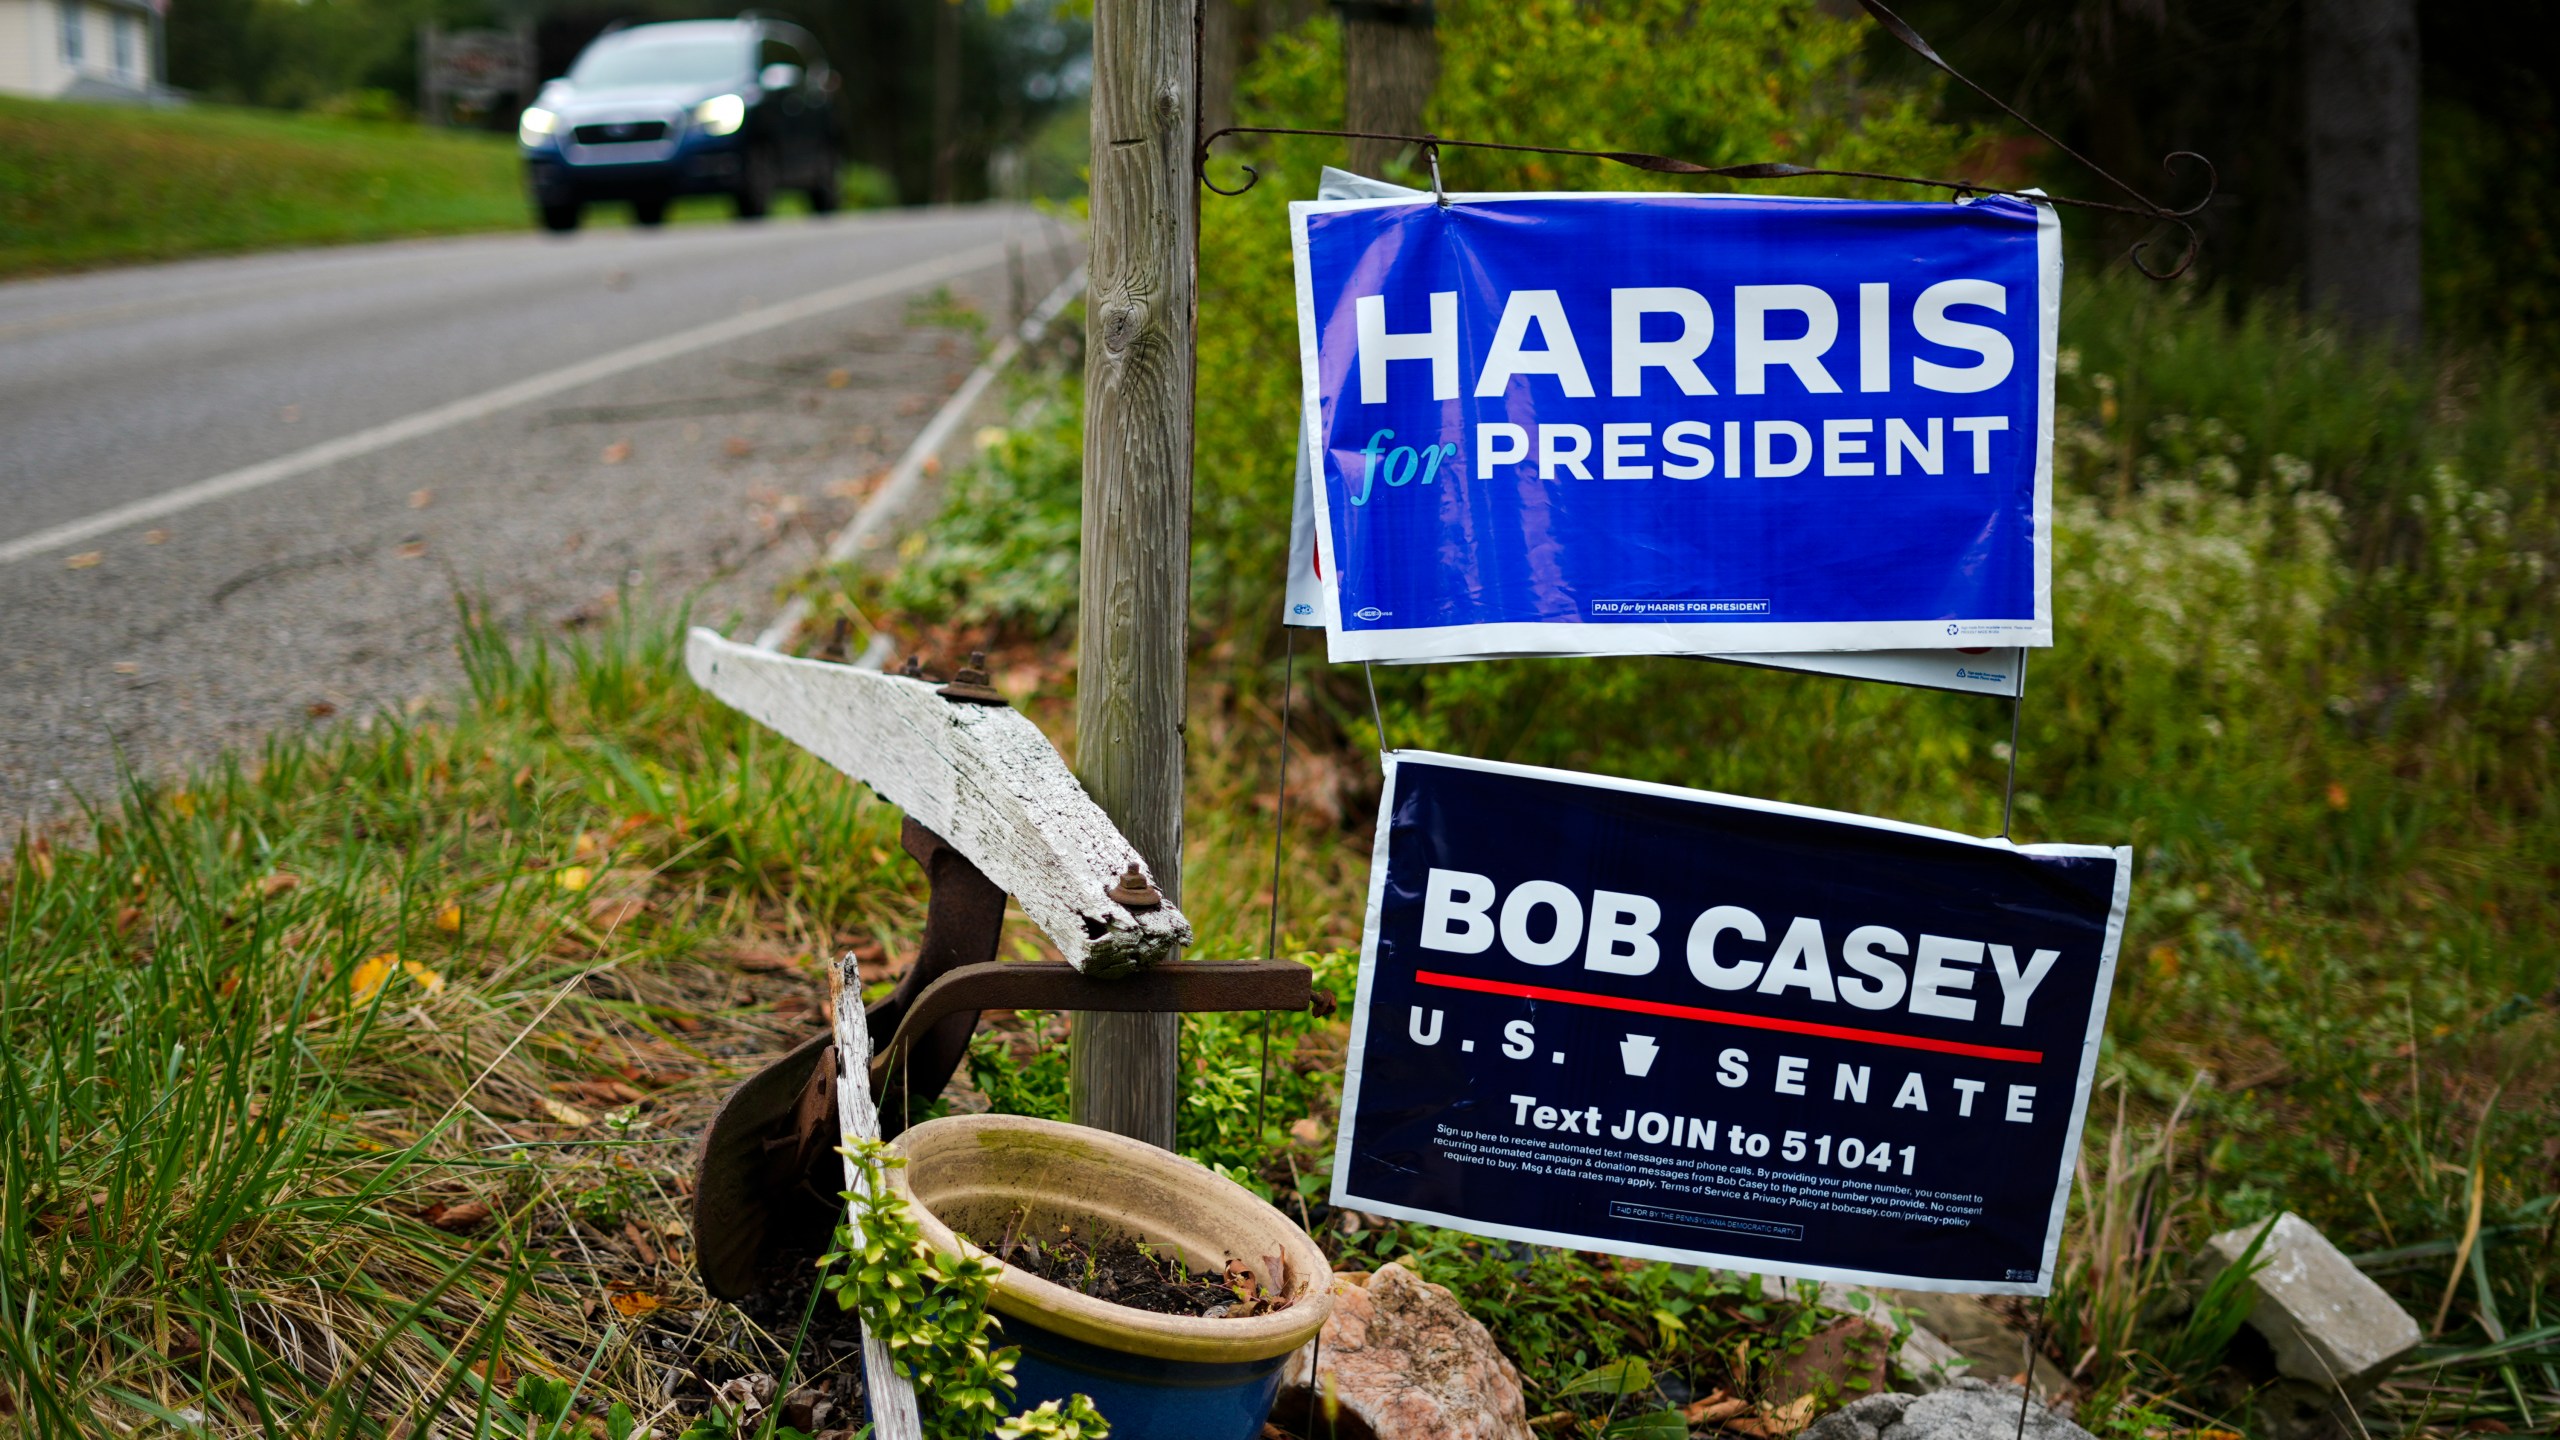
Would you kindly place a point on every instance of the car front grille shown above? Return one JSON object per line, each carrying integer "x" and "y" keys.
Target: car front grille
{"x": 622, "y": 132}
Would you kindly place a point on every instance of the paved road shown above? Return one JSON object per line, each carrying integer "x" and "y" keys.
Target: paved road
{"x": 235, "y": 493}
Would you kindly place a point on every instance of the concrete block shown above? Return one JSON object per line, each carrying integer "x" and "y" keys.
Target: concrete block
{"x": 2327, "y": 1323}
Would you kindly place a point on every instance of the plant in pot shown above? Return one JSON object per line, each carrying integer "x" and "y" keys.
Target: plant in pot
{"x": 1165, "y": 1292}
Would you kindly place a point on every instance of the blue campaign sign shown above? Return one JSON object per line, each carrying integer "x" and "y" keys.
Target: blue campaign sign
{"x": 1679, "y": 424}
{"x": 1686, "y": 1026}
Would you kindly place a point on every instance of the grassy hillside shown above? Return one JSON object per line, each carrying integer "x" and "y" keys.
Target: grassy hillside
{"x": 86, "y": 185}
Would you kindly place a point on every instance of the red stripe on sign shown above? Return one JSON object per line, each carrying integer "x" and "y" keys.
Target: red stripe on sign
{"x": 1726, "y": 1017}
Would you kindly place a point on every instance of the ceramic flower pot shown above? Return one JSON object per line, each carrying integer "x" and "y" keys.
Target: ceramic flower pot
{"x": 1154, "y": 1377}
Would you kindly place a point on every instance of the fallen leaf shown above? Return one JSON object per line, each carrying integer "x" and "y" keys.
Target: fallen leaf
{"x": 412, "y": 550}
{"x": 1307, "y": 1131}
{"x": 839, "y": 378}
{"x": 421, "y": 499}
{"x": 428, "y": 980}
{"x": 449, "y": 919}
{"x": 566, "y": 1114}
{"x": 1714, "y": 1409}
{"x": 573, "y": 877}
{"x": 372, "y": 974}
{"x": 738, "y": 447}
{"x": 616, "y": 453}
{"x": 86, "y": 559}
{"x": 230, "y": 984}
{"x": 1777, "y": 1422}
{"x": 127, "y": 667}
{"x": 155, "y": 537}
{"x": 458, "y": 1218}
{"x": 320, "y": 709}
{"x": 647, "y": 1252}
{"x": 277, "y": 884}
{"x": 184, "y": 802}
{"x": 632, "y": 1304}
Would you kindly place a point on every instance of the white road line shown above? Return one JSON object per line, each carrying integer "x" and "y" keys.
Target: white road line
{"x": 490, "y": 402}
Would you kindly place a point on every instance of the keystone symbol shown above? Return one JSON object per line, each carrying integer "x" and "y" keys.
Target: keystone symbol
{"x": 1638, "y": 1052}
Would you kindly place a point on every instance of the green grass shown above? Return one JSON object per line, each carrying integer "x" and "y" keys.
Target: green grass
{"x": 88, "y": 185}
{"x": 275, "y": 1015}
{"x": 82, "y": 186}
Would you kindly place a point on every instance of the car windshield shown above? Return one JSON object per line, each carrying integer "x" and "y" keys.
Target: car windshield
{"x": 705, "y": 60}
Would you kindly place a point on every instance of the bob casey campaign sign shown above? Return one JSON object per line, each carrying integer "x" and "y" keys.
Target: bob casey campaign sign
{"x": 1687, "y": 1026}
{"x": 1685, "y": 424}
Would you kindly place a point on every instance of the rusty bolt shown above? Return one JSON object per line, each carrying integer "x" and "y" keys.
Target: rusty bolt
{"x": 970, "y": 686}
{"x": 1134, "y": 893}
{"x": 834, "y": 650}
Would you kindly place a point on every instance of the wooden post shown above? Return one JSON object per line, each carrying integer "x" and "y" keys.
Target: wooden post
{"x": 1134, "y": 597}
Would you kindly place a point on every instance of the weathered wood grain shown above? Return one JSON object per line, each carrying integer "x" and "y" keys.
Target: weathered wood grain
{"x": 1134, "y": 596}
{"x": 981, "y": 776}
{"x": 892, "y": 1396}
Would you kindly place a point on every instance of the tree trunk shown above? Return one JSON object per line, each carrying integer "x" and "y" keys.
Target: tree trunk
{"x": 1390, "y": 61}
{"x": 2360, "y": 128}
{"x": 1222, "y": 26}
{"x": 946, "y": 102}
{"x": 1133, "y": 599}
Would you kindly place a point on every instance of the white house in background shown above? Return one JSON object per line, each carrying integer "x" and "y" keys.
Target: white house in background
{"x": 82, "y": 49}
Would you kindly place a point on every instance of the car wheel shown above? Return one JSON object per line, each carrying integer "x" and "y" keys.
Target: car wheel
{"x": 561, "y": 216}
{"x": 827, "y": 196}
{"x": 650, "y": 211}
{"x": 755, "y": 187}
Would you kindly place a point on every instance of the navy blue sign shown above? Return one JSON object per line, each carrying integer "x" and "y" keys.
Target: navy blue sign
{"x": 1686, "y": 1026}
{"x": 1643, "y": 424}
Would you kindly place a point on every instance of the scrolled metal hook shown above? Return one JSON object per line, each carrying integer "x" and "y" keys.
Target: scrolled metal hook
{"x": 1200, "y": 166}
{"x": 2186, "y": 255}
{"x": 2212, "y": 180}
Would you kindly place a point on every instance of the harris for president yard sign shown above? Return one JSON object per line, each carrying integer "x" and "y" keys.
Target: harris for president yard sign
{"x": 1644, "y": 424}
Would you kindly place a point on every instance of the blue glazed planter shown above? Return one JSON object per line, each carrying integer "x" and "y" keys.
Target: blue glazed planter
{"x": 1142, "y": 1395}
{"x": 1154, "y": 1377}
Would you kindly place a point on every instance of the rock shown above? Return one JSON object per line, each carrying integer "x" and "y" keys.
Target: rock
{"x": 1864, "y": 1419}
{"x": 1405, "y": 1363}
{"x": 1964, "y": 1409}
{"x": 1924, "y": 1356}
{"x": 1841, "y": 1361}
{"x": 2328, "y": 1324}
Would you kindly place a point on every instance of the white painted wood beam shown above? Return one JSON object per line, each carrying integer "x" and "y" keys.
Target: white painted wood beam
{"x": 982, "y": 777}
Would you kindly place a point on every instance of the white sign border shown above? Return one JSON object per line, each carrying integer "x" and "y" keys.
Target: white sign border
{"x": 1342, "y": 1198}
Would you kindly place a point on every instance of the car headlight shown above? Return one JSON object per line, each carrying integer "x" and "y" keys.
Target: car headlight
{"x": 720, "y": 115}
{"x": 536, "y": 126}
